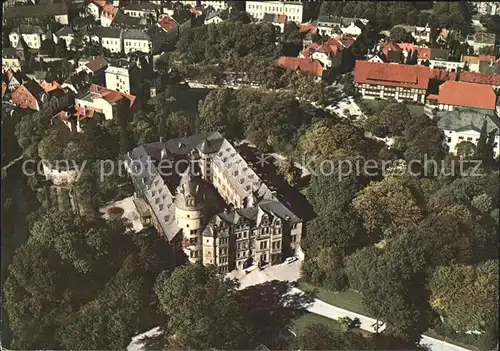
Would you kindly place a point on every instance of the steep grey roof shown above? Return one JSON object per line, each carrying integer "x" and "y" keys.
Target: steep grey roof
{"x": 142, "y": 6}
{"x": 27, "y": 29}
{"x": 40, "y": 10}
{"x": 143, "y": 162}
{"x": 332, "y": 21}
{"x": 64, "y": 31}
{"x": 279, "y": 210}
{"x": 108, "y": 32}
{"x": 135, "y": 34}
{"x": 467, "y": 119}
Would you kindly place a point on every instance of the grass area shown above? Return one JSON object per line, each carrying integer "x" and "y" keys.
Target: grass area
{"x": 416, "y": 109}
{"x": 302, "y": 322}
{"x": 350, "y": 300}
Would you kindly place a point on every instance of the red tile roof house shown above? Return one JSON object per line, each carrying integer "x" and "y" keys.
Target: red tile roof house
{"x": 29, "y": 95}
{"x": 479, "y": 78}
{"x": 407, "y": 82}
{"x": 302, "y": 65}
{"x": 460, "y": 94}
{"x": 101, "y": 100}
{"x": 390, "y": 81}
{"x": 329, "y": 54}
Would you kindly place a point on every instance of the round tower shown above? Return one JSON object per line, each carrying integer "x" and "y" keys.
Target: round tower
{"x": 189, "y": 204}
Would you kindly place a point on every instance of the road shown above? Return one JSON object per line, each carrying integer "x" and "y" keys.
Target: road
{"x": 291, "y": 272}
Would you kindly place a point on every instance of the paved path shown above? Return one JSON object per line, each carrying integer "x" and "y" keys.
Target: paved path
{"x": 291, "y": 272}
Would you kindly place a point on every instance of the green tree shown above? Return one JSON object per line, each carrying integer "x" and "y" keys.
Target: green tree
{"x": 400, "y": 35}
{"x": 466, "y": 296}
{"x": 30, "y": 131}
{"x": 387, "y": 207}
{"x": 194, "y": 299}
{"x": 390, "y": 121}
{"x": 319, "y": 336}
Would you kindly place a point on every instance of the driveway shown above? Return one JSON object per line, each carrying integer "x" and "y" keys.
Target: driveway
{"x": 291, "y": 272}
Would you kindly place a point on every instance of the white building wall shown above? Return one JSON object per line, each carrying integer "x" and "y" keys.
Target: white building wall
{"x": 62, "y": 19}
{"x": 117, "y": 78}
{"x": 11, "y": 63}
{"x": 453, "y": 138}
{"x": 257, "y": 9}
{"x": 131, "y": 45}
{"x": 93, "y": 10}
{"x": 218, "y": 5}
{"x": 97, "y": 104}
{"x": 112, "y": 44}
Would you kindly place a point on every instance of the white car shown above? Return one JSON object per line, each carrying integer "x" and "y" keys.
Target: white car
{"x": 289, "y": 260}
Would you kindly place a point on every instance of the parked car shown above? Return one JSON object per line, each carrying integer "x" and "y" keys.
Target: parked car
{"x": 249, "y": 269}
{"x": 291, "y": 259}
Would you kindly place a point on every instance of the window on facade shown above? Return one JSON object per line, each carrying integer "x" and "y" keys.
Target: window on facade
{"x": 294, "y": 238}
{"x": 193, "y": 231}
{"x": 263, "y": 245}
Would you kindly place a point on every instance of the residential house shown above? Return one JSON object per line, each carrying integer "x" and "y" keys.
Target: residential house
{"x": 440, "y": 59}
{"x": 488, "y": 64}
{"x": 418, "y": 32}
{"x": 487, "y": 79}
{"x": 329, "y": 54}
{"x": 334, "y": 26}
{"x": 392, "y": 53}
{"x": 136, "y": 40}
{"x": 302, "y": 65}
{"x": 454, "y": 94}
{"x": 32, "y": 36}
{"x": 111, "y": 38}
{"x": 10, "y": 60}
{"x": 192, "y": 3}
{"x": 294, "y": 10}
{"x": 95, "y": 68}
{"x": 118, "y": 77}
{"x": 142, "y": 10}
{"x": 310, "y": 34}
{"x": 77, "y": 83}
{"x": 29, "y": 95}
{"x": 461, "y": 125}
{"x": 384, "y": 81}
{"x": 486, "y": 8}
{"x": 102, "y": 101}
{"x": 276, "y": 20}
{"x": 481, "y": 40}
{"x": 94, "y": 8}
{"x": 471, "y": 63}
{"x": 14, "y": 79}
{"x": 376, "y": 58}
{"x": 24, "y": 13}
{"x": 68, "y": 35}
{"x": 217, "y": 5}
{"x": 108, "y": 14}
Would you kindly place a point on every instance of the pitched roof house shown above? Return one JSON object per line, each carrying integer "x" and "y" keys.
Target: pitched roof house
{"x": 462, "y": 94}
{"x": 462, "y": 125}
{"x": 29, "y": 95}
{"x": 301, "y": 64}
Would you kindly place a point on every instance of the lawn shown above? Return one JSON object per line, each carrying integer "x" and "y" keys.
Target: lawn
{"x": 302, "y": 322}
{"x": 349, "y": 300}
